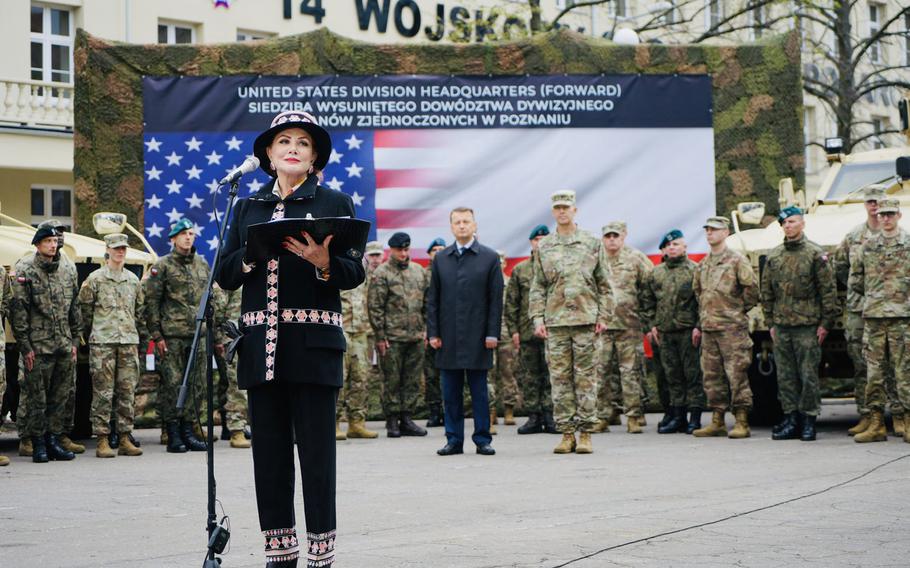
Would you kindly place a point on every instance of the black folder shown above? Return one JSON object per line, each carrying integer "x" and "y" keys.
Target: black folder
{"x": 264, "y": 240}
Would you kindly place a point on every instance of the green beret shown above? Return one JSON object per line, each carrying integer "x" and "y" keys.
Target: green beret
{"x": 788, "y": 212}
{"x": 181, "y": 225}
{"x": 43, "y": 233}
{"x": 670, "y": 236}
{"x": 539, "y": 230}
{"x": 437, "y": 242}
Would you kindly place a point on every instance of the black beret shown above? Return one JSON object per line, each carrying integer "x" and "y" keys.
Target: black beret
{"x": 43, "y": 233}
{"x": 400, "y": 240}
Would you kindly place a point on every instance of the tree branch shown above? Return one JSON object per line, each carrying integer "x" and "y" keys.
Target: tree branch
{"x": 867, "y": 44}
{"x": 568, "y": 9}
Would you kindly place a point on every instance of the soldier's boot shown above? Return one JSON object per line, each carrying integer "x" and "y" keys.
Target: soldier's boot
{"x": 25, "y": 447}
{"x": 694, "y": 420}
{"x": 668, "y": 416}
{"x": 601, "y": 427}
{"x": 4, "y": 461}
{"x": 190, "y": 440}
{"x": 55, "y": 451}
{"x": 434, "y": 420}
{"x": 174, "y": 442}
{"x": 876, "y": 432}
{"x": 549, "y": 424}
{"x": 788, "y": 429}
{"x": 493, "y": 422}
{"x": 584, "y": 445}
{"x": 67, "y": 444}
{"x": 103, "y": 450}
{"x": 633, "y": 425}
{"x": 642, "y": 420}
{"x": 808, "y": 433}
{"x": 408, "y": 427}
{"x": 717, "y": 427}
{"x": 202, "y": 434}
{"x": 566, "y": 445}
{"x": 127, "y": 447}
{"x": 741, "y": 428}
{"x": 676, "y": 423}
{"x": 534, "y": 425}
{"x": 509, "y": 419}
{"x": 616, "y": 417}
{"x": 391, "y": 427}
{"x": 898, "y": 424}
{"x": 339, "y": 433}
{"x": 39, "y": 450}
{"x": 358, "y": 429}
{"x": 860, "y": 426}
{"x": 238, "y": 440}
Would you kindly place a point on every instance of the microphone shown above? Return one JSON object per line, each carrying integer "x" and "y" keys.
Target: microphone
{"x": 248, "y": 165}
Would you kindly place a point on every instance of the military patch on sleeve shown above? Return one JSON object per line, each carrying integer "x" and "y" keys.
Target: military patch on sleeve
{"x": 824, "y": 257}
{"x": 154, "y": 271}
{"x": 354, "y": 253}
{"x": 21, "y": 279}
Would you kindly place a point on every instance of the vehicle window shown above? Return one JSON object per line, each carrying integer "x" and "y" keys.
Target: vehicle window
{"x": 852, "y": 177}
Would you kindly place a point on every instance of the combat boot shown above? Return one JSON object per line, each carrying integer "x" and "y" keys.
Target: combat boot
{"x": 239, "y": 441}
{"x": 741, "y": 428}
{"x": 717, "y": 427}
{"x": 55, "y": 451}
{"x": 694, "y": 420}
{"x": 898, "y": 422}
{"x": 876, "y": 432}
{"x": 534, "y": 425}
{"x": 616, "y": 417}
{"x": 103, "y": 450}
{"x": 861, "y": 426}
{"x": 668, "y": 416}
{"x": 549, "y": 424}
{"x": 408, "y": 427}
{"x": 601, "y": 427}
{"x": 39, "y": 450}
{"x": 174, "y": 443}
{"x": 339, "y": 433}
{"x": 493, "y": 422}
{"x": 391, "y": 427}
{"x": 788, "y": 429}
{"x": 67, "y": 444}
{"x": 358, "y": 429}
{"x": 434, "y": 420}
{"x": 584, "y": 444}
{"x": 633, "y": 425}
{"x": 127, "y": 447}
{"x": 642, "y": 420}
{"x": 808, "y": 433}
{"x": 190, "y": 440}
{"x": 25, "y": 447}
{"x": 4, "y": 461}
{"x": 566, "y": 445}
{"x": 677, "y": 422}
{"x": 509, "y": 419}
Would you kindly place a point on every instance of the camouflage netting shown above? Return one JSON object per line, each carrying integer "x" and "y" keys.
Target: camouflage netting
{"x": 758, "y": 135}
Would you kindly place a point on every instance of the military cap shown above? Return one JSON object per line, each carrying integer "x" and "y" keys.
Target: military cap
{"x": 374, "y": 247}
{"x": 54, "y": 224}
{"x": 889, "y": 206}
{"x": 618, "y": 227}
{"x": 181, "y": 225}
{"x": 875, "y": 192}
{"x": 670, "y": 236}
{"x": 437, "y": 242}
{"x": 400, "y": 240}
{"x": 717, "y": 222}
{"x": 563, "y": 197}
{"x": 539, "y": 230}
{"x": 788, "y": 212}
{"x": 42, "y": 233}
{"x": 116, "y": 240}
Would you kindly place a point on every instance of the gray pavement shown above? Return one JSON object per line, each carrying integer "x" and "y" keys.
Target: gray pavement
{"x": 400, "y": 505}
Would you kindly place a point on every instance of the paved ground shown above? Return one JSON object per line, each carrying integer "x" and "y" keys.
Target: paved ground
{"x": 399, "y": 505}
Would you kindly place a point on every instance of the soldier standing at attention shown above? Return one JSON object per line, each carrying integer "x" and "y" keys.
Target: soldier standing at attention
{"x": 6, "y": 294}
{"x": 881, "y": 275}
{"x": 232, "y": 401}
{"x": 47, "y": 325}
{"x": 622, "y": 343}
{"x": 570, "y": 304}
{"x": 670, "y": 309}
{"x": 397, "y": 306}
{"x": 111, "y": 302}
{"x": 501, "y": 385}
{"x": 432, "y": 385}
{"x": 726, "y": 289}
{"x": 173, "y": 292}
{"x": 799, "y": 300}
{"x": 533, "y": 375}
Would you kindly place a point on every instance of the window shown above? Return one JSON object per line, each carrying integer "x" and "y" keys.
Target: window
{"x": 875, "y": 25}
{"x": 758, "y": 20}
{"x": 51, "y": 44}
{"x": 176, "y": 33}
{"x": 879, "y": 125}
{"x": 52, "y": 203}
{"x": 670, "y": 14}
{"x": 617, "y": 8}
{"x": 246, "y": 35}
{"x": 714, "y": 13}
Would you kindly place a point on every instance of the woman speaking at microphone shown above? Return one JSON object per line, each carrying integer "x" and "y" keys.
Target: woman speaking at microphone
{"x": 290, "y": 361}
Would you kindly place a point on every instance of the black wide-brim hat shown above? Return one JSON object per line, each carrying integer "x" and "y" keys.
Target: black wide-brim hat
{"x": 294, "y": 119}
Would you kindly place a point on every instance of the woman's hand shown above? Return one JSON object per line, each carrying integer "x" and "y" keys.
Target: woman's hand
{"x": 317, "y": 255}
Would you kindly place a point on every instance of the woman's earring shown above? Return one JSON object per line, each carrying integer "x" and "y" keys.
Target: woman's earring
{"x": 311, "y": 169}
{"x": 271, "y": 165}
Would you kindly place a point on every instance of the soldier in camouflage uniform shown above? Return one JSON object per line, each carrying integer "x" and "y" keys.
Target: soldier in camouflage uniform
{"x": 569, "y": 305}
{"x": 846, "y": 253}
{"x": 6, "y": 294}
{"x": 373, "y": 254}
{"x": 726, "y": 289}
{"x": 397, "y": 307}
{"x": 799, "y": 300}
{"x": 111, "y": 303}
{"x": 432, "y": 385}
{"x": 175, "y": 287}
{"x": 881, "y": 275}
{"x": 352, "y": 400}
{"x": 501, "y": 385}
{"x": 232, "y": 401}
{"x": 621, "y": 345}
{"x": 670, "y": 310}
{"x": 531, "y": 362}
{"x": 47, "y": 326}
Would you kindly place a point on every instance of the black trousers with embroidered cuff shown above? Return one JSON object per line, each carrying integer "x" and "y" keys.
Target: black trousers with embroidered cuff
{"x": 282, "y": 414}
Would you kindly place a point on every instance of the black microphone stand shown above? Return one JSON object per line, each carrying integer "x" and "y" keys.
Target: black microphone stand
{"x": 217, "y": 536}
